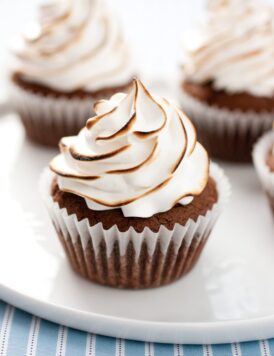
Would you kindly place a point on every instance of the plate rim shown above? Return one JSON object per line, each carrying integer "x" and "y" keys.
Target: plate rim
{"x": 196, "y": 333}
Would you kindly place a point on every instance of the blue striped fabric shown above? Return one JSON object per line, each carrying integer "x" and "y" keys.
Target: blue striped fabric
{"x": 193, "y": 350}
{"x": 47, "y": 339}
{"x": 19, "y": 333}
{"x": 251, "y": 348}
{"x": 134, "y": 348}
{"x": 25, "y": 335}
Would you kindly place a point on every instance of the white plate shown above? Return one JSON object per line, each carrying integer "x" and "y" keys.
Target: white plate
{"x": 229, "y": 296}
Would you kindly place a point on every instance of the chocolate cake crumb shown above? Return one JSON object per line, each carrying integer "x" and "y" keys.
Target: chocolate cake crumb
{"x": 242, "y": 101}
{"x": 178, "y": 214}
{"x": 42, "y": 89}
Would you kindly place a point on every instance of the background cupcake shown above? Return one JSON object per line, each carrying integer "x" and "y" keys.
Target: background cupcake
{"x": 228, "y": 87}
{"x": 132, "y": 197}
{"x": 263, "y": 158}
{"x": 73, "y": 55}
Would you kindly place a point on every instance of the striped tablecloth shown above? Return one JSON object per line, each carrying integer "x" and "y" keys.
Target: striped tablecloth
{"x": 22, "y": 334}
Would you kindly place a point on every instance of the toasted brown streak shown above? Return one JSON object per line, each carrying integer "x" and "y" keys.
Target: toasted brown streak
{"x": 62, "y": 146}
{"x": 77, "y": 34}
{"x": 132, "y": 120}
{"x": 144, "y": 135}
{"x": 246, "y": 55}
{"x": 65, "y": 175}
{"x": 84, "y": 58}
{"x": 133, "y": 169}
{"x": 33, "y": 41}
{"x": 176, "y": 165}
{"x": 91, "y": 122}
{"x": 135, "y": 86}
{"x": 106, "y": 74}
{"x": 85, "y": 158}
{"x": 122, "y": 202}
{"x": 100, "y": 45}
{"x": 195, "y": 193}
{"x": 48, "y": 29}
{"x": 98, "y": 102}
{"x": 56, "y": 22}
{"x": 194, "y": 131}
{"x": 126, "y": 128}
{"x": 219, "y": 45}
{"x": 94, "y": 120}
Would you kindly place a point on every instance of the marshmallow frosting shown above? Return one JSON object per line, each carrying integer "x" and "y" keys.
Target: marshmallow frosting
{"x": 235, "y": 48}
{"x": 139, "y": 153}
{"x": 75, "y": 44}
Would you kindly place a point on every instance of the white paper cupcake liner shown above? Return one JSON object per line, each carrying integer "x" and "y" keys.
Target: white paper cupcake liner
{"x": 260, "y": 153}
{"x": 131, "y": 259}
{"x": 48, "y": 118}
{"x": 227, "y": 134}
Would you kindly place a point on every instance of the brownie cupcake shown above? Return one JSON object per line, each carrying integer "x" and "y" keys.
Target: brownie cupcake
{"x": 228, "y": 85}
{"x": 72, "y": 56}
{"x": 263, "y": 158}
{"x": 132, "y": 197}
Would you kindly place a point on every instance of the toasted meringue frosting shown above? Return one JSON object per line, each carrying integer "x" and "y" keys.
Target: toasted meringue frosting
{"x": 235, "y": 48}
{"x": 75, "y": 44}
{"x": 140, "y": 154}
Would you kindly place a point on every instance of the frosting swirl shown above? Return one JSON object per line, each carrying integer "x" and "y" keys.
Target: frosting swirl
{"x": 139, "y": 154}
{"x": 76, "y": 44}
{"x": 234, "y": 49}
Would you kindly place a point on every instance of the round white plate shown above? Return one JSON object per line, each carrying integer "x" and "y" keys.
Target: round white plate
{"x": 229, "y": 296}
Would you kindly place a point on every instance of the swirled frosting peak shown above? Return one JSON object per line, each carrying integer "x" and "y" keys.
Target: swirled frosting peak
{"x": 234, "y": 50}
{"x": 75, "y": 44}
{"x": 139, "y": 153}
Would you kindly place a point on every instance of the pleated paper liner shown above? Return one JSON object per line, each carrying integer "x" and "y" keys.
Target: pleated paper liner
{"x": 131, "y": 259}
{"x": 47, "y": 118}
{"x": 260, "y": 153}
{"x": 227, "y": 135}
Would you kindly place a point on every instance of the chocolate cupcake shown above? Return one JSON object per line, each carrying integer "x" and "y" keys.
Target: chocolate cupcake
{"x": 72, "y": 56}
{"x": 228, "y": 85}
{"x": 263, "y": 158}
{"x": 132, "y": 197}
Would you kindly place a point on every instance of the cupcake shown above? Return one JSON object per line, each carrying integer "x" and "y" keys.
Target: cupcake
{"x": 228, "y": 77}
{"x": 133, "y": 197}
{"x": 263, "y": 158}
{"x": 73, "y": 56}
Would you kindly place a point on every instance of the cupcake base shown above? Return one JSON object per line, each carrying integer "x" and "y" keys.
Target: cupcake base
{"x": 134, "y": 255}
{"x": 234, "y": 148}
{"x": 48, "y": 133}
{"x": 128, "y": 272}
{"x": 227, "y": 125}
{"x": 263, "y": 159}
{"x": 179, "y": 214}
{"x": 48, "y": 115}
